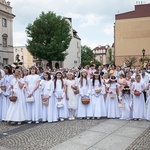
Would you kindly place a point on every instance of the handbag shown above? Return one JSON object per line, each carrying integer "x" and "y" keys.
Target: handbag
{"x": 30, "y": 99}
{"x": 59, "y": 104}
{"x": 112, "y": 96}
{"x": 76, "y": 91}
{"x": 121, "y": 105}
{"x": 85, "y": 100}
{"x": 97, "y": 90}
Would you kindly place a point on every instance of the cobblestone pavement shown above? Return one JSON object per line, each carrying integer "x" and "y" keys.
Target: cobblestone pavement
{"x": 44, "y": 136}
{"x": 142, "y": 142}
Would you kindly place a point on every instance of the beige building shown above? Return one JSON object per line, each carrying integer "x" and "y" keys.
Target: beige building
{"x": 132, "y": 34}
{"x": 22, "y": 55}
{"x": 6, "y": 33}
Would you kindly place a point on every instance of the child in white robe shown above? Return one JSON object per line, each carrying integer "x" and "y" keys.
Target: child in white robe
{"x": 138, "y": 99}
{"x": 148, "y": 103}
{"x": 17, "y": 110}
{"x": 98, "y": 91}
{"x": 34, "y": 109}
{"x": 6, "y": 92}
{"x": 60, "y": 102}
{"x": 84, "y": 110}
{"x": 126, "y": 102}
{"x": 112, "y": 98}
{"x": 47, "y": 88}
{"x": 71, "y": 95}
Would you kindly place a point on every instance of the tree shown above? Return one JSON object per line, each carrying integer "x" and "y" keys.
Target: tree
{"x": 130, "y": 61}
{"x": 49, "y": 37}
{"x": 87, "y": 55}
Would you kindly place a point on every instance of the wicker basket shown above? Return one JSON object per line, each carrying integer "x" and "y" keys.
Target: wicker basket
{"x": 3, "y": 87}
{"x": 137, "y": 93}
{"x": 85, "y": 100}
{"x": 13, "y": 98}
{"x": 46, "y": 102}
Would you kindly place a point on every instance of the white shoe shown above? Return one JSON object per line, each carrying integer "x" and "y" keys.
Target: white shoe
{"x": 19, "y": 123}
{"x": 93, "y": 118}
{"x": 12, "y": 123}
{"x": 61, "y": 119}
{"x": 80, "y": 118}
{"x": 73, "y": 118}
{"x": 98, "y": 118}
{"x": 87, "y": 118}
{"x": 29, "y": 122}
{"x": 37, "y": 122}
{"x": 69, "y": 118}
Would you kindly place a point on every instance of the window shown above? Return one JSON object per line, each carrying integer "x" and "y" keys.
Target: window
{"x": 4, "y": 22}
{"x": 21, "y": 49}
{"x": 22, "y": 57}
{"x": 5, "y": 61}
{"x": 16, "y": 50}
{"x": 4, "y": 37}
{"x": 4, "y": 41}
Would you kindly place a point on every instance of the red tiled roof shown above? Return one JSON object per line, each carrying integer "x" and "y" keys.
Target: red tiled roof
{"x": 140, "y": 11}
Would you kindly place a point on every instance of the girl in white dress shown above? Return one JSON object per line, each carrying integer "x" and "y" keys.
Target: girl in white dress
{"x": 0, "y": 96}
{"x": 112, "y": 99}
{"x": 148, "y": 103}
{"x": 98, "y": 91}
{"x": 60, "y": 97}
{"x": 84, "y": 110}
{"x": 138, "y": 99}
{"x": 34, "y": 109}
{"x": 70, "y": 95}
{"x": 47, "y": 88}
{"x": 126, "y": 102}
{"x": 6, "y": 90}
{"x": 17, "y": 110}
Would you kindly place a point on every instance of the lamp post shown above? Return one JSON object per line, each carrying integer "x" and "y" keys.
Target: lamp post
{"x": 143, "y": 52}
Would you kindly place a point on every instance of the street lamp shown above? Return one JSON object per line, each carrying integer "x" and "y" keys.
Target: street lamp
{"x": 143, "y": 52}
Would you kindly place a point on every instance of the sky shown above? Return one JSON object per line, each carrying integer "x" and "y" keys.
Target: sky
{"x": 92, "y": 19}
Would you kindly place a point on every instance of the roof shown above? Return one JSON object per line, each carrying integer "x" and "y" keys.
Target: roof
{"x": 75, "y": 35}
{"x": 140, "y": 11}
{"x": 100, "y": 48}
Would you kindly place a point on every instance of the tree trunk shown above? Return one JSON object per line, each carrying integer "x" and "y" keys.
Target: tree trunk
{"x": 50, "y": 65}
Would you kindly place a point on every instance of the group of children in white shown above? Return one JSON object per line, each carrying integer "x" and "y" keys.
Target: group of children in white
{"x": 27, "y": 97}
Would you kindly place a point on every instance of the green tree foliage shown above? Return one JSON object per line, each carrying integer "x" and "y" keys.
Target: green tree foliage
{"x": 87, "y": 55}
{"x": 49, "y": 37}
{"x": 130, "y": 61}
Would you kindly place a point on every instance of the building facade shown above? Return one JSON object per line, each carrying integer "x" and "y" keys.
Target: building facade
{"x": 132, "y": 34}
{"x": 6, "y": 33}
{"x": 21, "y": 54}
{"x": 101, "y": 54}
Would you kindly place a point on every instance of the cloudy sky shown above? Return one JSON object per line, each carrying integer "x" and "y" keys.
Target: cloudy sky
{"x": 92, "y": 19}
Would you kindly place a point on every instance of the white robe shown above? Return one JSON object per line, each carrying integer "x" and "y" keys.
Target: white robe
{"x": 112, "y": 103}
{"x": 47, "y": 88}
{"x": 72, "y": 102}
{"x": 34, "y": 109}
{"x": 99, "y": 106}
{"x": 59, "y": 91}
{"x": 6, "y": 94}
{"x": 17, "y": 110}
{"x": 148, "y": 106}
{"x": 84, "y": 110}
{"x": 138, "y": 101}
{"x": 126, "y": 111}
